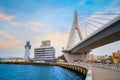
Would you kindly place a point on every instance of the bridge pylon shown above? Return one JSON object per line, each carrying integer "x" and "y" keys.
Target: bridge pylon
{"x": 75, "y": 29}
{"x": 72, "y": 38}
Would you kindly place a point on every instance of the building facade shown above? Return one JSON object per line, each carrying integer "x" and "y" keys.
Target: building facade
{"x": 116, "y": 54}
{"x": 27, "y": 50}
{"x": 46, "y": 53}
{"x": 116, "y": 57}
{"x": 97, "y": 58}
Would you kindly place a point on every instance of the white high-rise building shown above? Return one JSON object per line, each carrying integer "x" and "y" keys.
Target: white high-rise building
{"x": 27, "y": 50}
{"x": 46, "y": 53}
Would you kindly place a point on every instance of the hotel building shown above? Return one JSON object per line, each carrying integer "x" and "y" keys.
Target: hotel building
{"x": 46, "y": 53}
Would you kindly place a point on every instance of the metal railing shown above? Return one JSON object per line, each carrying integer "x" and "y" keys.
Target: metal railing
{"x": 114, "y": 67}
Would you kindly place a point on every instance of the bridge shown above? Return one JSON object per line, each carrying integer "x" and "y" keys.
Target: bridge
{"x": 108, "y": 33}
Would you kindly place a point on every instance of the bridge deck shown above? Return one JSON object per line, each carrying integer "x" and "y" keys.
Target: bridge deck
{"x": 105, "y": 74}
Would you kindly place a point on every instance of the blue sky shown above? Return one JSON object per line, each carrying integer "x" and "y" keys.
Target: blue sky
{"x": 37, "y": 20}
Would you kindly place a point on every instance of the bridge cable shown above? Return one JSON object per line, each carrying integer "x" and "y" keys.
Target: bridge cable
{"x": 92, "y": 24}
{"x": 95, "y": 21}
{"x": 99, "y": 18}
{"x": 102, "y": 14}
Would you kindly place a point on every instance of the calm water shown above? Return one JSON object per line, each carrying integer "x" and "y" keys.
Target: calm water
{"x": 34, "y": 72}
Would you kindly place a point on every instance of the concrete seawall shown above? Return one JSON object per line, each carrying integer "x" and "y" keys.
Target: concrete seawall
{"x": 84, "y": 69}
{"x": 74, "y": 68}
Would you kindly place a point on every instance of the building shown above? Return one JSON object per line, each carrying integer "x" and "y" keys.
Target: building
{"x": 116, "y": 57}
{"x": 97, "y": 58}
{"x": 27, "y": 50}
{"x": 46, "y": 53}
{"x": 116, "y": 54}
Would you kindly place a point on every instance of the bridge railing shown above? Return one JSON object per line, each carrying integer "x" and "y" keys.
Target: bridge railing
{"x": 114, "y": 67}
{"x": 87, "y": 66}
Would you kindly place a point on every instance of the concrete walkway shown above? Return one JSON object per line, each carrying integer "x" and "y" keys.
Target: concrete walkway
{"x": 105, "y": 74}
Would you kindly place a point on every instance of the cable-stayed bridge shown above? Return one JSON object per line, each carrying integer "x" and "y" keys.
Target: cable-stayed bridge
{"x": 101, "y": 29}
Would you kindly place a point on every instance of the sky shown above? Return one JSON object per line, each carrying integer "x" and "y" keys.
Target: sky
{"x": 38, "y": 20}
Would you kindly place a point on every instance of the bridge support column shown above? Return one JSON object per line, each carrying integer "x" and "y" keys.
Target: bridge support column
{"x": 67, "y": 57}
{"x": 70, "y": 57}
{"x": 86, "y": 56}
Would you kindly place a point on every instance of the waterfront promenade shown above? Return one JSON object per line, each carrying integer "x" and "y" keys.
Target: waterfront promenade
{"x": 105, "y": 74}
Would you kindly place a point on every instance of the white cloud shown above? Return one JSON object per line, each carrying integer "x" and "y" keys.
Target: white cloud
{"x": 9, "y": 19}
{"x": 36, "y": 24}
{"x": 5, "y": 17}
{"x": 3, "y": 32}
{"x": 8, "y": 41}
{"x": 15, "y": 23}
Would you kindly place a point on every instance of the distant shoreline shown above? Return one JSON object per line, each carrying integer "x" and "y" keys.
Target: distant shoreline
{"x": 30, "y": 63}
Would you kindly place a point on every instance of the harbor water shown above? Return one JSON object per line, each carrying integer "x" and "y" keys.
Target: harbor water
{"x": 37, "y": 72}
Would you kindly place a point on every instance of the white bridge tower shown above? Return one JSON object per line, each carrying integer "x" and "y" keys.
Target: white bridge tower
{"x": 72, "y": 39}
